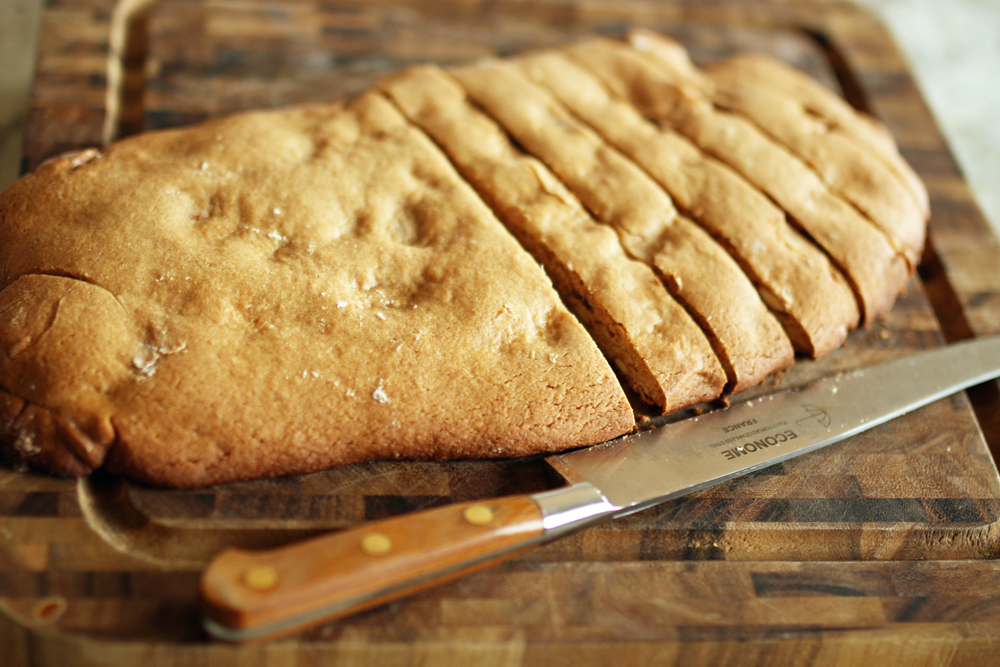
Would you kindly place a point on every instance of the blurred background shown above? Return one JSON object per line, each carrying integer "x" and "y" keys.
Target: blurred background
{"x": 954, "y": 49}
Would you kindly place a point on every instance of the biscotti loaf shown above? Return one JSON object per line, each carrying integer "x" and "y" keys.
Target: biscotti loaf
{"x": 498, "y": 259}
{"x": 277, "y": 293}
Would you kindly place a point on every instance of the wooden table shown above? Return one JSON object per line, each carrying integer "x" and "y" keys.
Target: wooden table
{"x": 879, "y": 550}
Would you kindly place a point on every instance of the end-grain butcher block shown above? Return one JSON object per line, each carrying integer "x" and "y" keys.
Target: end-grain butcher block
{"x": 490, "y": 260}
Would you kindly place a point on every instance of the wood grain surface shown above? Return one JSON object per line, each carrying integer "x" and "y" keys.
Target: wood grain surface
{"x": 883, "y": 548}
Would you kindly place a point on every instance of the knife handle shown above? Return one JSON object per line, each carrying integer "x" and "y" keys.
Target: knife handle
{"x": 266, "y": 594}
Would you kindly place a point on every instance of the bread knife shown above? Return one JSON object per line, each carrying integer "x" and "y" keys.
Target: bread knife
{"x": 253, "y": 596}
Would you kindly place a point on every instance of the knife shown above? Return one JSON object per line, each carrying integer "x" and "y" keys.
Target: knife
{"x": 252, "y": 596}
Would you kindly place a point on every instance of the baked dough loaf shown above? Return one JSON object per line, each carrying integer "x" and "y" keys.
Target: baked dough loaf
{"x": 278, "y": 293}
{"x": 456, "y": 264}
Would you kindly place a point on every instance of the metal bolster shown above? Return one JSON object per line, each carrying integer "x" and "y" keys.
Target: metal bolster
{"x": 571, "y": 507}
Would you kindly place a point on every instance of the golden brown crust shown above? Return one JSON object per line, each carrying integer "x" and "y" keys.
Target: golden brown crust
{"x": 278, "y": 293}
{"x": 821, "y": 102}
{"x": 660, "y": 351}
{"x": 875, "y": 270}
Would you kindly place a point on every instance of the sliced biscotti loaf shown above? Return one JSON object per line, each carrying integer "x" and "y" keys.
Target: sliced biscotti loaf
{"x": 277, "y": 293}
{"x": 659, "y": 350}
{"x": 281, "y": 292}
{"x": 747, "y": 337}
{"x": 809, "y": 295}
{"x": 854, "y": 170}
{"x": 796, "y": 280}
{"x": 862, "y": 252}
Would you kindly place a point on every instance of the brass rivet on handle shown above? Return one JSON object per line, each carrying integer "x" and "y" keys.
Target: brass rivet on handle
{"x": 376, "y": 544}
{"x": 478, "y": 515}
{"x": 49, "y": 609}
{"x": 260, "y": 577}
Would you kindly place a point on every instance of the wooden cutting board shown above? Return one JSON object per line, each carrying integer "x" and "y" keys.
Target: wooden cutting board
{"x": 881, "y": 548}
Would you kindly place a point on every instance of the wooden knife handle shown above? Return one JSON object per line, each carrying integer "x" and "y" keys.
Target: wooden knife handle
{"x": 250, "y": 596}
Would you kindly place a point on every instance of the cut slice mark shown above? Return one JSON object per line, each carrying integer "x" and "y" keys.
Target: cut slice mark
{"x": 734, "y": 382}
{"x": 834, "y": 155}
{"x": 636, "y": 76}
{"x": 721, "y": 201}
{"x": 854, "y": 110}
{"x": 609, "y": 185}
{"x": 781, "y": 176}
{"x": 853, "y": 243}
{"x": 509, "y": 181}
{"x": 879, "y": 196}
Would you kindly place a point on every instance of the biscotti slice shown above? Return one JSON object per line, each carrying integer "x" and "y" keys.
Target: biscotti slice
{"x": 277, "y": 293}
{"x": 747, "y": 337}
{"x": 809, "y": 295}
{"x": 849, "y": 168}
{"x": 648, "y": 336}
{"x": 875, "y": 271}
{"x": 823, "y": 103}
